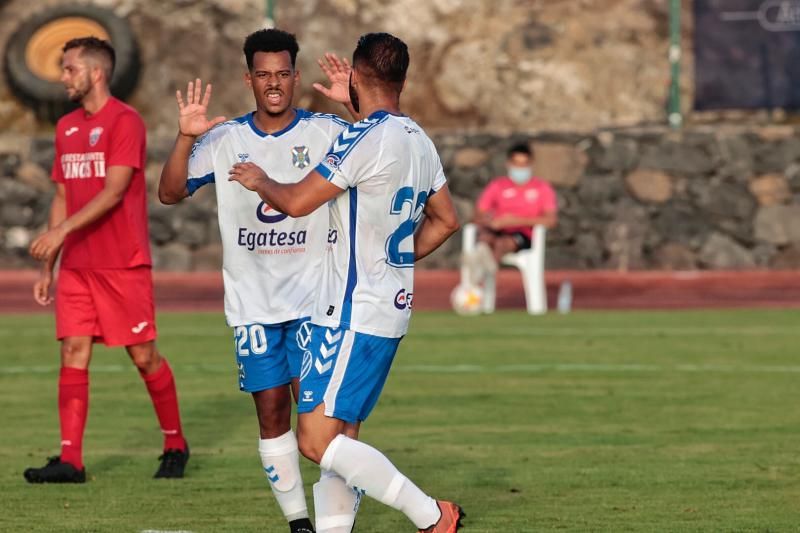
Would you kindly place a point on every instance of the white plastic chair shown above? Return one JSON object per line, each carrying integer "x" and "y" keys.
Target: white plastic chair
{"x": 530, "y": 263}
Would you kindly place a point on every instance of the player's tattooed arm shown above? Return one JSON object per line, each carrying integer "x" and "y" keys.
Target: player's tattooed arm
{"x": 293, "y": 199}
{"x": 192, "y": 122}
{"x": 439, "y": 223}
{"x": 337, "y": 71}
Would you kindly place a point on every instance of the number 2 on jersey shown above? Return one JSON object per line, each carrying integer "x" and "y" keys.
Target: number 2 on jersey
{"x": 403, "y": 196}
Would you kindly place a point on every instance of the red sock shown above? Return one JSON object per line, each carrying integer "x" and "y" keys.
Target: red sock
{"x": 73, "y": 407}
{"x": 161, "y": 386}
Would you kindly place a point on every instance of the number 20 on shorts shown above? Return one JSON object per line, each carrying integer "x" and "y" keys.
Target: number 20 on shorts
{"x": 257, "y": 337}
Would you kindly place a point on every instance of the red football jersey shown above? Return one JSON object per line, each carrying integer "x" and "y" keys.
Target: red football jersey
{"x": 86, "y": 146}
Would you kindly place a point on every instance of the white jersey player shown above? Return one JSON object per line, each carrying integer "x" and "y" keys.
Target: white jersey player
{"x": 381, "y": 175}
{"x": 271, "y": 261}
{"x": 368, "y": 283}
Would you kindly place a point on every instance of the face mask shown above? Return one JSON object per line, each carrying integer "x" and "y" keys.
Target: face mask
{"x": 353, "y": 94}
{"x": 519, "y": 175}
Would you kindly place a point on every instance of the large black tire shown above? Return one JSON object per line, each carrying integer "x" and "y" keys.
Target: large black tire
{"x": 47, "y": 97}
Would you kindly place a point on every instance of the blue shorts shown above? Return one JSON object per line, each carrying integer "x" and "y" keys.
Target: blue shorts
{"x": 346, "y": 370}
{"x": 269, "y": 355}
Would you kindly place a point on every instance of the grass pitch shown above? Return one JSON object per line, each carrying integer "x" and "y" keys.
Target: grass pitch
{"x": 625, "y": 421}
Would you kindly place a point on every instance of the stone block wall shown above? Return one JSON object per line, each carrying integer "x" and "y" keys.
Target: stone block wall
{"x": 707, "y": 197}
{"x": 631, "y": 198}
{"x": 501, "y": 65}
{"x": 711, "y": 197}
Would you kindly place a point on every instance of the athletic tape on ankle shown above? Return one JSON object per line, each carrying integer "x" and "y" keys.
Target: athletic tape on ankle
{"x": 335, "y": 505}
{"x": 330, "y": 522}
{"x": 393, "y": 490}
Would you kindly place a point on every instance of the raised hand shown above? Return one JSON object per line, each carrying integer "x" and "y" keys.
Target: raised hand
{"x": 338, "y": 72}
{"x": 192, "y": 120}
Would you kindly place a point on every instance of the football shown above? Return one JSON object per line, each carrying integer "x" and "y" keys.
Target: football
{"x": 467, "y": 299}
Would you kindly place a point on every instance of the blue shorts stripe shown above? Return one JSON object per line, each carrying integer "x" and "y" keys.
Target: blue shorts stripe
{"x": 339, "y": 369}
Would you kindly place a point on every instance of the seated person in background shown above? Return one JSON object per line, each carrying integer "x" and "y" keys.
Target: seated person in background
{"x": 511, "y": 205}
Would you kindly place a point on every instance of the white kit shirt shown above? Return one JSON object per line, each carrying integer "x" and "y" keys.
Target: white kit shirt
{"x": 388, "y": 167}
{"x": 271, "y": 262}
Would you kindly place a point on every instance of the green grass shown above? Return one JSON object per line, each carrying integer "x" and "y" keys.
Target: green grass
{"x": 613, "y": 422}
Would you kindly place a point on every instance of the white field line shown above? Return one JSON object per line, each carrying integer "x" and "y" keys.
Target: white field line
{"x": 165, "y": 531}
{"x": 117, "y": 369}
{"x": 531, "y": 368}
{"x": 544, "y": 331}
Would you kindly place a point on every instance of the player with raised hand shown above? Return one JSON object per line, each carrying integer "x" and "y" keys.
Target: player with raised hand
{"x": 192, "y": 120}
{"x": 105, "y": 287}
{"x": 271, "y": 261}
{"x": 389, "y": 206}
{"x": 338, "y": 72}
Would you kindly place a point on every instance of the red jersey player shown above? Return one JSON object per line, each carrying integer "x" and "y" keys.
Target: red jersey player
{"x": 105, "y": 289}
{"x": 511, "y": 205}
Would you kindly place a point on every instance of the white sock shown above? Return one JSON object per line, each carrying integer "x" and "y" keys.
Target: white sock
{"x": 281, "y": 460}
{"x": 335, "y": 504}
{"x": 365, "y": 468}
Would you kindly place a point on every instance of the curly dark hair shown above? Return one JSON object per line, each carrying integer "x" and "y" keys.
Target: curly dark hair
{"x": 270, "y": 40}
{"x": 382, "y": 57}
{"x": 97, "y": 48}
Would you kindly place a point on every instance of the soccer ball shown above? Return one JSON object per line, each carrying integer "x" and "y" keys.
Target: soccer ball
{"x": 467, "y": 299}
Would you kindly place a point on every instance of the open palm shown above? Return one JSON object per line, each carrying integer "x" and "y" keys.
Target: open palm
{"x": 192, "y": 119}
{"x": 338, "y": 73}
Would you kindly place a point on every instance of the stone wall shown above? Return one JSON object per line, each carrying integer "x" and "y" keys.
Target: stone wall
{"x": 178, "y": 41}
{"x": 506, "y": 65}
{"x": 497, "y": 65}
{"x": 581, "y": 76}
{"x": 630, "y": 198}
{"x": 650, "y": 198}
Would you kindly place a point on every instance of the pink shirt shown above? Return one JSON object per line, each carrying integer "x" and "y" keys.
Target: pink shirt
{"x": 532, "y": 199}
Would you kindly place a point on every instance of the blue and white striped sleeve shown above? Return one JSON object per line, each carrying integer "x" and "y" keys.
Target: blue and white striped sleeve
{"x": 351, "y": 156}
{"x": 201, "y": 160}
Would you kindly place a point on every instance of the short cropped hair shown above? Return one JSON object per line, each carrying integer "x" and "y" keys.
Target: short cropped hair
{"x": 383, "y": 57}
{"x": 97, "y": 48}
{"x": 520, "y": 148}
{"x": 270, "y": 40}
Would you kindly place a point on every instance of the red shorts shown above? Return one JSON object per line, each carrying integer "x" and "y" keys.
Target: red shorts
{"x": 115, "y": 306}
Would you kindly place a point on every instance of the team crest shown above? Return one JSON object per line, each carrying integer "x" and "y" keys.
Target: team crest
{"x": 94, "y": 135}
{"x": 242, "y": 157}
{"x": 300, "y": 156}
